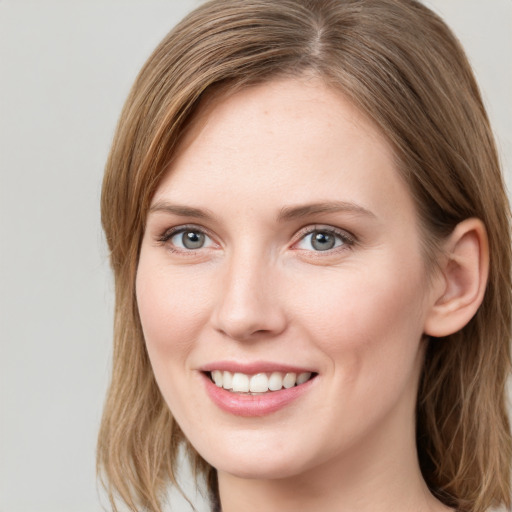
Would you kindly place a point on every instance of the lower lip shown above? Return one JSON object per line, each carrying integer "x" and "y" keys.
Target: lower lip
{"x": 254, "y": 405}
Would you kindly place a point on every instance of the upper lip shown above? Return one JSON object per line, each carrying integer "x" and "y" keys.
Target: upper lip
{"x": 252, "y": 368}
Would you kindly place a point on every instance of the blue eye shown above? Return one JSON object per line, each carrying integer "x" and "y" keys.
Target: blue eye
{"x": 323, "y": 240}
{"x": 189, "y": 239}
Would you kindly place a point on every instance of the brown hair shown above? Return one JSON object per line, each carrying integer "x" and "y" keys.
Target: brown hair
{"x": 401, "y": 66}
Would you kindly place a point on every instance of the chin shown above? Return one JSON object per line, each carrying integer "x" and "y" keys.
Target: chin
{"x": 260, "y": 470}
{"x": 249, "y": 461}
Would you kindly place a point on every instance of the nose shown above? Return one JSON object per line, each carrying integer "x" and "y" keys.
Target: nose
{"x": 249, "y": 306}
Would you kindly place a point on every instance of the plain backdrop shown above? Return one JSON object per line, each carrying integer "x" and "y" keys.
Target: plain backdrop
{"x": 65, "y": 70}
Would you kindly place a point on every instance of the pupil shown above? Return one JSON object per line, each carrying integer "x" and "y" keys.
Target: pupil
{"x": 322, "y": 241}
{"x": 193, "y": 240}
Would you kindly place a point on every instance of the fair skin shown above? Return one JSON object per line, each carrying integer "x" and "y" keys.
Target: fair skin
{"x": 283, "y": 240}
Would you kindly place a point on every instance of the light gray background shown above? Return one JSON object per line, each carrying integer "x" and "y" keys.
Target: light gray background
{"x": 65, "y": 69}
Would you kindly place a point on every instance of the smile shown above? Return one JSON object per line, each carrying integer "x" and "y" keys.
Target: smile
{"x": 260, "y": 382}
{"x": 259, "y": 390}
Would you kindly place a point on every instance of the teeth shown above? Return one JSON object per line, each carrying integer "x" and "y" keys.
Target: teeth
{"x": 289, "y": 380}
{"x": 227, "y": 380}
{"x": 303, "y": 377}
{"x": 217, "y": 378}
{"x": 275, "y": 383}
{"x": 259, "y": 383}
{"x": 241, "y": 383}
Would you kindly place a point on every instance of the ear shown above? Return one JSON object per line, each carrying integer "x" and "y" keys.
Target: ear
{"x": 459, "y": 289}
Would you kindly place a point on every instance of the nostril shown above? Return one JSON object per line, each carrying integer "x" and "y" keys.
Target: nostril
{"x": 246, "y": 310}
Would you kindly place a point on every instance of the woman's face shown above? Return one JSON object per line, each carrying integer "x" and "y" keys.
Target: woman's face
{"x": 282, "y": 251}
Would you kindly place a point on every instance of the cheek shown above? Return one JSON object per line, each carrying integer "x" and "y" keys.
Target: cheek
{"x": 369, "y": 322}
{"x": 369, "y": 325}
{"x": 172, "y": 309}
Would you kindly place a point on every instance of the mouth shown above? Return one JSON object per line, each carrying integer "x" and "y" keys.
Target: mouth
{"x": 259, "y": 383}
{"x": 256, "y": 389}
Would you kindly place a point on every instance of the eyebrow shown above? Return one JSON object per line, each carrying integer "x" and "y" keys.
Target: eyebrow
{"x": 286, "y": 213}
{"x": 180, "y": 210}
{"x": 297, "y": 212}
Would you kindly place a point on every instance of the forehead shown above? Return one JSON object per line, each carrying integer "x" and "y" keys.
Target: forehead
{"x": 297, "y": 140}
{"x": 289, "y": 108}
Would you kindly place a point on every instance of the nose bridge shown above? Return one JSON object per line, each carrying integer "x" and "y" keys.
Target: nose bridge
{"x": 248, "y": 305}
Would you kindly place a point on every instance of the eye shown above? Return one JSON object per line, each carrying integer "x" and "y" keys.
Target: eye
{"x": 324, "y": 240}
{"x": 187, "y": 239}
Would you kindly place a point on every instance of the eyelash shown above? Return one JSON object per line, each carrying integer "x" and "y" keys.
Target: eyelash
{"x": 347, "y": 239}
{"x": 169, "y": 233}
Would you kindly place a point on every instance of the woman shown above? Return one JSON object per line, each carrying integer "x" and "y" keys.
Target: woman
{"x": 310, "y": 240}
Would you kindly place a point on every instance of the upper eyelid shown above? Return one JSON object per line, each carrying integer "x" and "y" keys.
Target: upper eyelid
{"x": 343, "y": 233}
{"x": 297, "y": 237}
{"x": 170, "y": 232}
{"x": 164, "y": 239}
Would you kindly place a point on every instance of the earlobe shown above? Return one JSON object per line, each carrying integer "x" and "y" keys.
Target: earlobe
{"x": 462, "y": 279}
